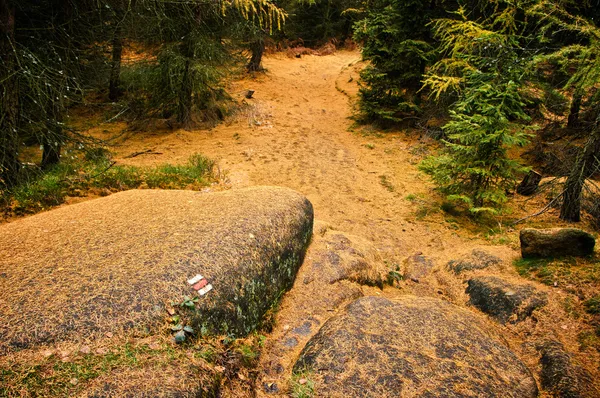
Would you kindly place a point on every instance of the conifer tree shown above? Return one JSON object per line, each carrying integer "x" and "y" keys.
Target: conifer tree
{"x": 582, "y": 59}
{"x": 396, "y": 40}
{"x": 485, "y": 67}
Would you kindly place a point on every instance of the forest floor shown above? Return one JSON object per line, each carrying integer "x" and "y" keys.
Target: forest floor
{"x": 297, "y": 132}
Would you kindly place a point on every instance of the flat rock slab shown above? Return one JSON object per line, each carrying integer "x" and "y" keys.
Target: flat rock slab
{"x": 505, "y": 301}
{"x": 411, "y": 347}
{"x": 115, "y": 263}
{"x": 418, "y": 267}
{"x": 556, "y": 242}
{"x": 476, "y": 260}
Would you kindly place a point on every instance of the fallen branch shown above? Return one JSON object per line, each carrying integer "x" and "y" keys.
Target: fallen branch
{"x": 105, "y": 170}
{"x": 541, "y": 211}
{"x": 146, "y": 152}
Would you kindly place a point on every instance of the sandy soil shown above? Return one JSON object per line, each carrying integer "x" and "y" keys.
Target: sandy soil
{"x": 296, "y": 132}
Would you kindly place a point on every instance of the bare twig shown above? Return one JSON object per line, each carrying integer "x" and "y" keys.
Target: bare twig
{"x": 541, "y": 211}
{"x": 146, "y": 152}
{"x": 105, "y": 170}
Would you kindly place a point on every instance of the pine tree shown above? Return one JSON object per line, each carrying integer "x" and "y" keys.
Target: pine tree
{"x": 582, "y": 59}
{"x": 485, "y": 67}
{"x": 396, "y": 40}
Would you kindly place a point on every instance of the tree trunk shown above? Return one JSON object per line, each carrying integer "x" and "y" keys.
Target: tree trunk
{"x": 258, "y": 49}
{"x": 573, "y": 120}
{"x": 9, "y": 103}
{"x": 571, "y": 207}
{"x": 52, "y": 140}
{"x": 115, "y": 68}
{"x": 184, "y": 111}
{"x": 51, "y": 152}
{"x": 529, "y": 184}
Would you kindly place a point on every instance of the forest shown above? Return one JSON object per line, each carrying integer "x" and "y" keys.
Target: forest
{"x": 299, "y": 198}
{"x": 497, "y": 74}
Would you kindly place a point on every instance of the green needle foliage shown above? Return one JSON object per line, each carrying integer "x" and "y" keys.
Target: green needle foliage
{"x": 396, "y": 41}
{"x": 483, "y": 65}
{"x": 581, "y": 61}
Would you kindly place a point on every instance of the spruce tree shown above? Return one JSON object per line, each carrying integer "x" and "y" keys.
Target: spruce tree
{"x": 486, "y": 69}
{"x": 582, "y": 60}
{"x": 397, "y": 43}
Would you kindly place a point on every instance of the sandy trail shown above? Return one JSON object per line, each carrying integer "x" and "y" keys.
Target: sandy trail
{"x": 296, "y": 133}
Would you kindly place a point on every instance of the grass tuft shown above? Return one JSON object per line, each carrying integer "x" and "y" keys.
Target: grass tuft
{"x": 96, "y": 174}
{"x": 302, "y": 386}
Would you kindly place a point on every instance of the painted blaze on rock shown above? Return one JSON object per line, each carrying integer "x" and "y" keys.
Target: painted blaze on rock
{"x": 556, "y": 242}
{"x": 411, "y": 347}
{"x": 113, "y": 264}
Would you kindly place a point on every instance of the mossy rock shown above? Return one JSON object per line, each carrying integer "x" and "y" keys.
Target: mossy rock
{"x": 411, "y": 347}
{"x": 556, "y": 242}
{"x": 505, "y": 301}
{"x": 114, "y": 264}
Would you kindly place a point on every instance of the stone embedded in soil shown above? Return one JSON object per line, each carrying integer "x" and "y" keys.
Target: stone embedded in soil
{"x": 112, "y": 264}
{"x": 561, "y": 377}
{"x": 505, "y": 301}
{"x": 418, "y": 267}
{"x": 556, "y": 242}
{"x": 478, "y": 259}
{"x": 413, "y": 346}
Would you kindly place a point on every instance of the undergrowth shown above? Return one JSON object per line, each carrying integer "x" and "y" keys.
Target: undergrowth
{"x": 54, "y": 377}
{"x": 96, "y": 174}
{"x": 566, "y": 271}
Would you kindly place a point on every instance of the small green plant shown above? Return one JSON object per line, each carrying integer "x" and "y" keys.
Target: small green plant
{"x": 383, "y": 180}
{"x": 249, "y": 354}
{"x": 394, "y": 275}
{"x": 179, "y": 326}
{"x": 411, "y": 197}
{"x": 370, "y": 146}
{"x": 302, "y": 386}
{"x": 592, "y": 305}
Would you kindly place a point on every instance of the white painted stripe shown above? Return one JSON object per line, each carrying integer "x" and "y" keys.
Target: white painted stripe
{"x": 195, "y": 279}
{"x": 205, "y": 290}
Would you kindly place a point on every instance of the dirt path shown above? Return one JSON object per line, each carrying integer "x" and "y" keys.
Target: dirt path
{"x": 296, "y": 133}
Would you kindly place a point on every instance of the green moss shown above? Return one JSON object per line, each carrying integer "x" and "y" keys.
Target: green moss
{"x": 247, "y": 305}
{"x": 561, "y": 271}
{"x": 592, "y": 306}
{"x": 53, "y": 377}
{"x": 39, "y": 191}
{"x": 302, "y": 386}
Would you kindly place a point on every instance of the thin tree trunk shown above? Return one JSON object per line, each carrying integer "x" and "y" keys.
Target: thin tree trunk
{"x": 573, "y": 120}
{"x": 258, "y": 49}
{"x": 9, "y": 102}
{"x": 184, "y": 111}
{"x": 571, "y": 207}
{"x": 53, "y": 139}
{"x": 115, "y": 68}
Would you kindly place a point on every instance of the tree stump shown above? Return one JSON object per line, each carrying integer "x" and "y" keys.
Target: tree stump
{"x": 530, "y": 183}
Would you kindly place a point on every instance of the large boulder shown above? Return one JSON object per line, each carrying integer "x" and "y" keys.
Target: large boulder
{"x": 505, "y": 301}
{"x": 556, "y": 242}
{"x": 115, "y": 263}
{"x": 411, "y": 347}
